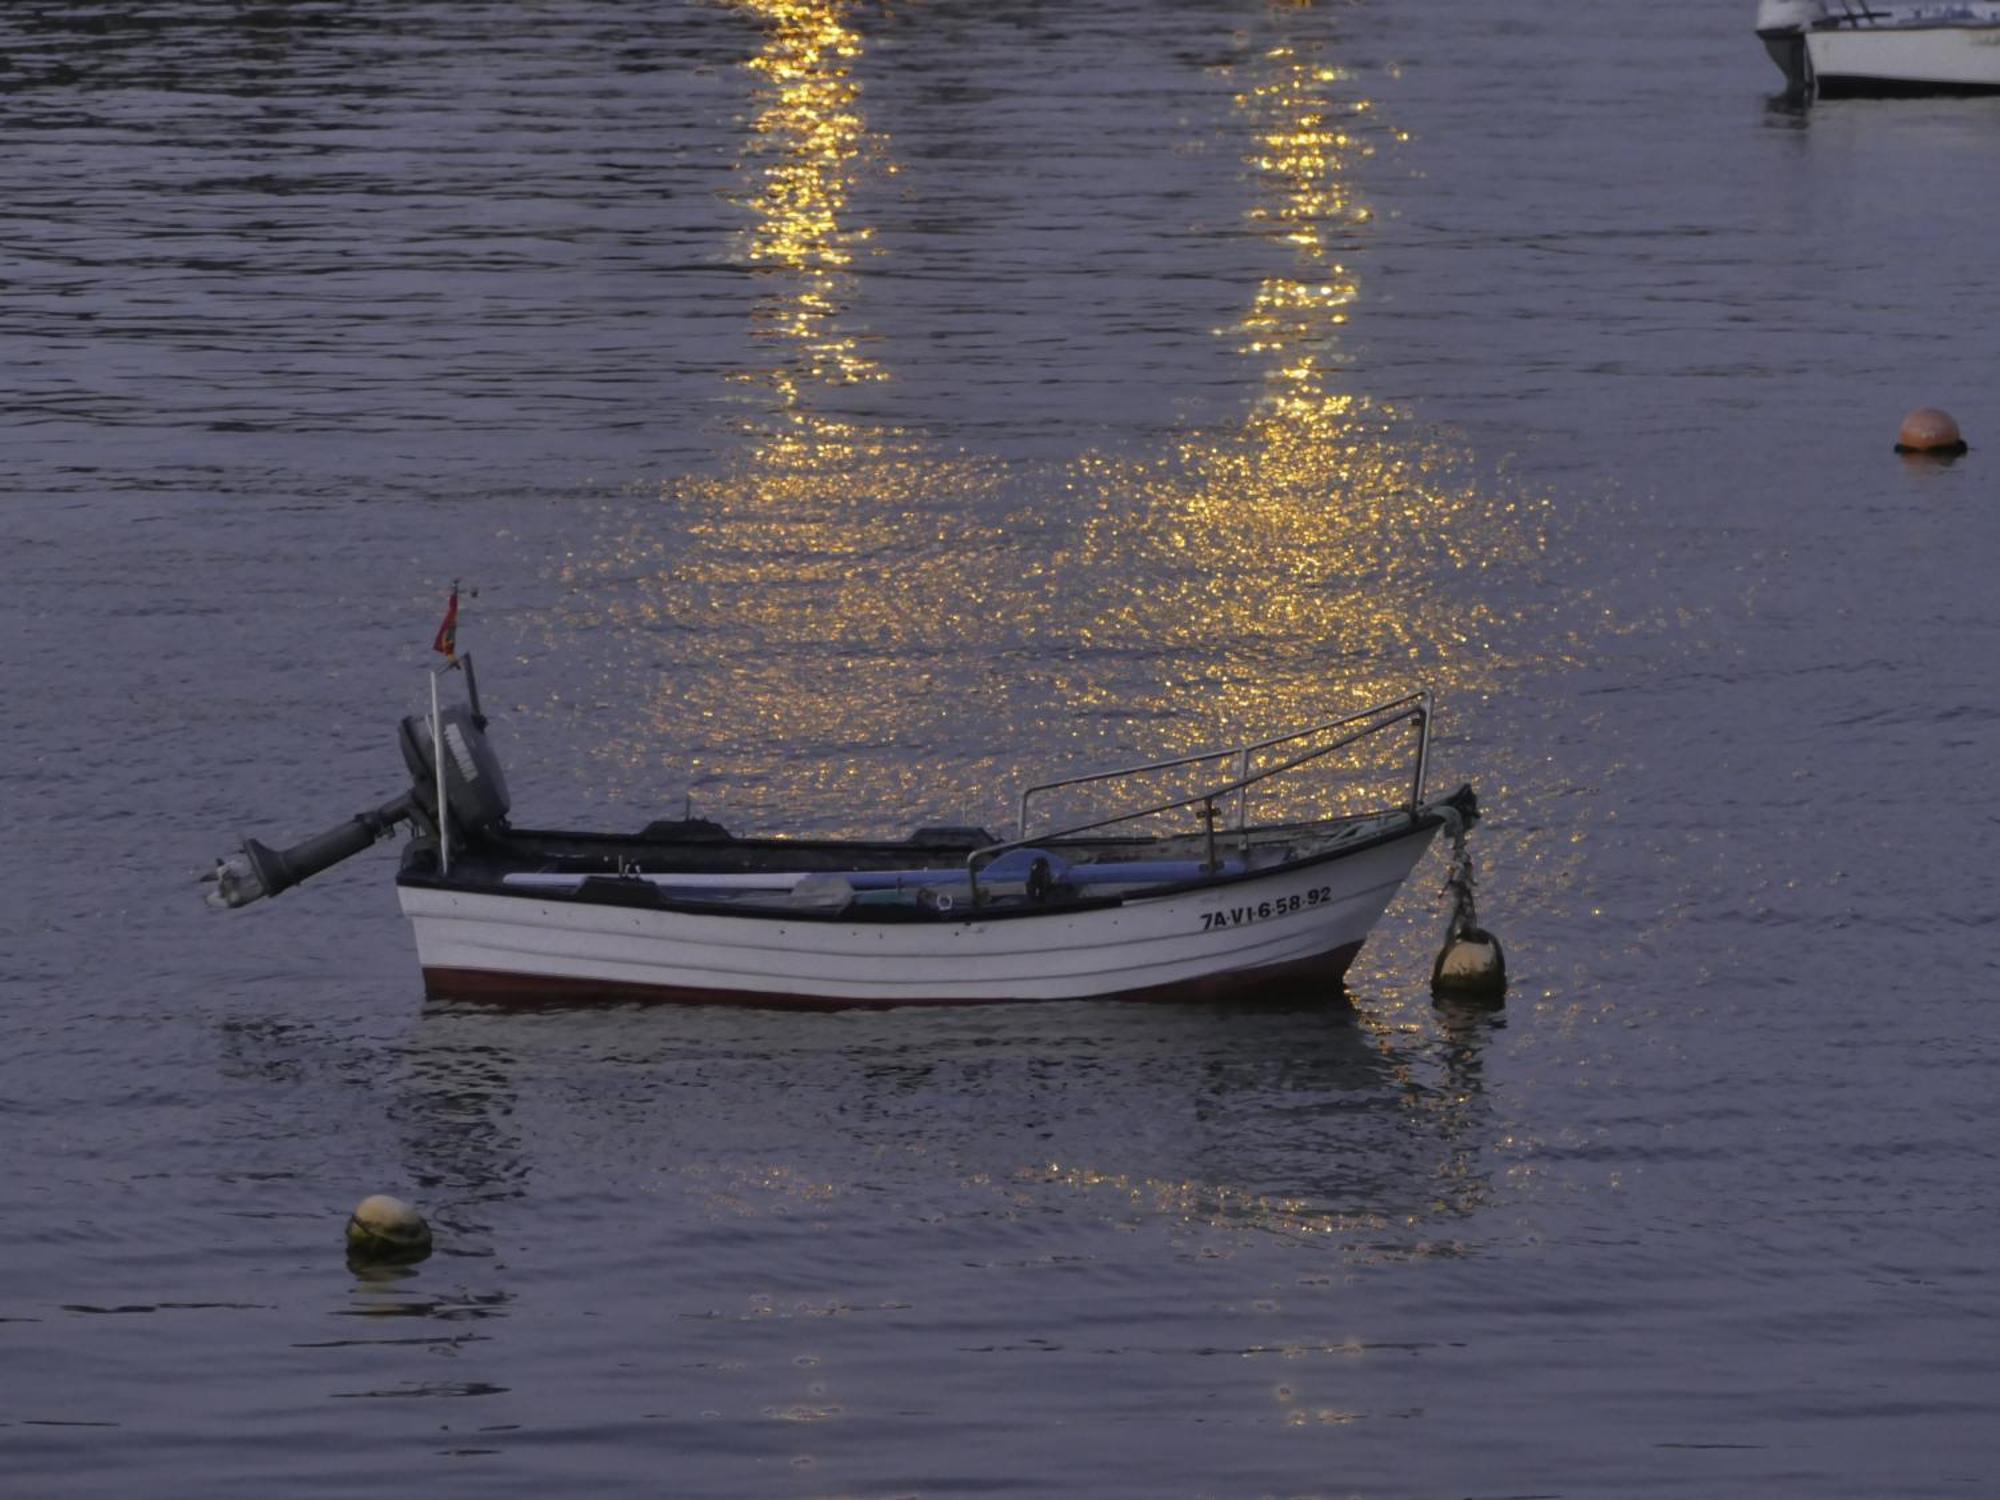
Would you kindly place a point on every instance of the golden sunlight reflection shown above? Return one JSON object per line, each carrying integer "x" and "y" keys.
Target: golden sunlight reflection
{"x": 804, "y": 612}
{"x": 805, "y": 146}
{"x": 1314, "y": 552}
{"x": 848, "y": 628}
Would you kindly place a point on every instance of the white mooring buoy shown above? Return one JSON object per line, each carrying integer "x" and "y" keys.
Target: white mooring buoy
{"x": 383, "y": 1228}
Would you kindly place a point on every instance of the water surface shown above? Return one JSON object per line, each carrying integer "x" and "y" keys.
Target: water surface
{"x": 842, "y": 413}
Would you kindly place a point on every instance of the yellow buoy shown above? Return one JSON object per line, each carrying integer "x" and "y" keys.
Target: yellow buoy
{"x": 383, "y": 1228}
{"x": 1930, "y": 431}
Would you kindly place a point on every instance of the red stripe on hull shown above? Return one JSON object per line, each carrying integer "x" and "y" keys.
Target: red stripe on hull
{"x": 495, "y": 988}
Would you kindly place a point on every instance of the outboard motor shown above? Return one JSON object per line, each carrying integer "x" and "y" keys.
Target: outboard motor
{"x": 475, "y": 803}
{"x": 475, "y": 791}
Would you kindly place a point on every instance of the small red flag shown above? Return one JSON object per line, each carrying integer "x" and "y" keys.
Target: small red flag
{"x": 446, "y": 644}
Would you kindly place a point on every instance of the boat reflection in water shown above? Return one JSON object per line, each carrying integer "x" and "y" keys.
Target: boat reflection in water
{"x": 1293, "y": 1121}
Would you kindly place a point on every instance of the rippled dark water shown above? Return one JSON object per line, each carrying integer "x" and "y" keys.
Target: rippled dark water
{"x": 843, "y": 411}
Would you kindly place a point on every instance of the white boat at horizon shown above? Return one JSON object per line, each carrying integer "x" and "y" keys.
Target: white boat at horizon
{"x": 685, "y": 911}
{"x": 1836, "y": 48}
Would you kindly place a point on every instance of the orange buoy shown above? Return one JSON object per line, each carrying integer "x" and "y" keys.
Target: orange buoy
{"x": 1931, "y": 431}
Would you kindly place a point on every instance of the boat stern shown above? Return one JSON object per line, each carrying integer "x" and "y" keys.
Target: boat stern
{"x": 1781, "y": 27}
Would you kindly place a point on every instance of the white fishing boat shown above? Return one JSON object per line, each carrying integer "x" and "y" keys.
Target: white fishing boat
{"x": 1831, "y": 48}
{"x": 682, "y": 910}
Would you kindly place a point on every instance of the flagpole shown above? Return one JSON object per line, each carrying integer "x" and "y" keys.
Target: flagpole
{"x": 437, "y": 758}
{"x": 472, "y": 691}
{"x": 446, "y": 645}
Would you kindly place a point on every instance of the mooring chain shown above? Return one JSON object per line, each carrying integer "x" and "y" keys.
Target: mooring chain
{"x": 1459, "y": 881}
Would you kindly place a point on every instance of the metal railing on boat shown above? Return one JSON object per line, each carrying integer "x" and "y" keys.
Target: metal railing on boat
{"x": 1414, "y": 707}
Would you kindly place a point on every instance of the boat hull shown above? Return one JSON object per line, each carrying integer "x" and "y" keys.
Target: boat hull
{"x": 1904, "y": 60}
{"x": 1297, "y": 924}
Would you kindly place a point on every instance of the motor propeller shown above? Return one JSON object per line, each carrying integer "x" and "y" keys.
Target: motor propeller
{"x": 260, "y": 870}
{"x": 475, "y": 799}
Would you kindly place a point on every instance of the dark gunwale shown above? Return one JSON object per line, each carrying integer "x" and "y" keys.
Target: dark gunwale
{"x": 636, "y": 895}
